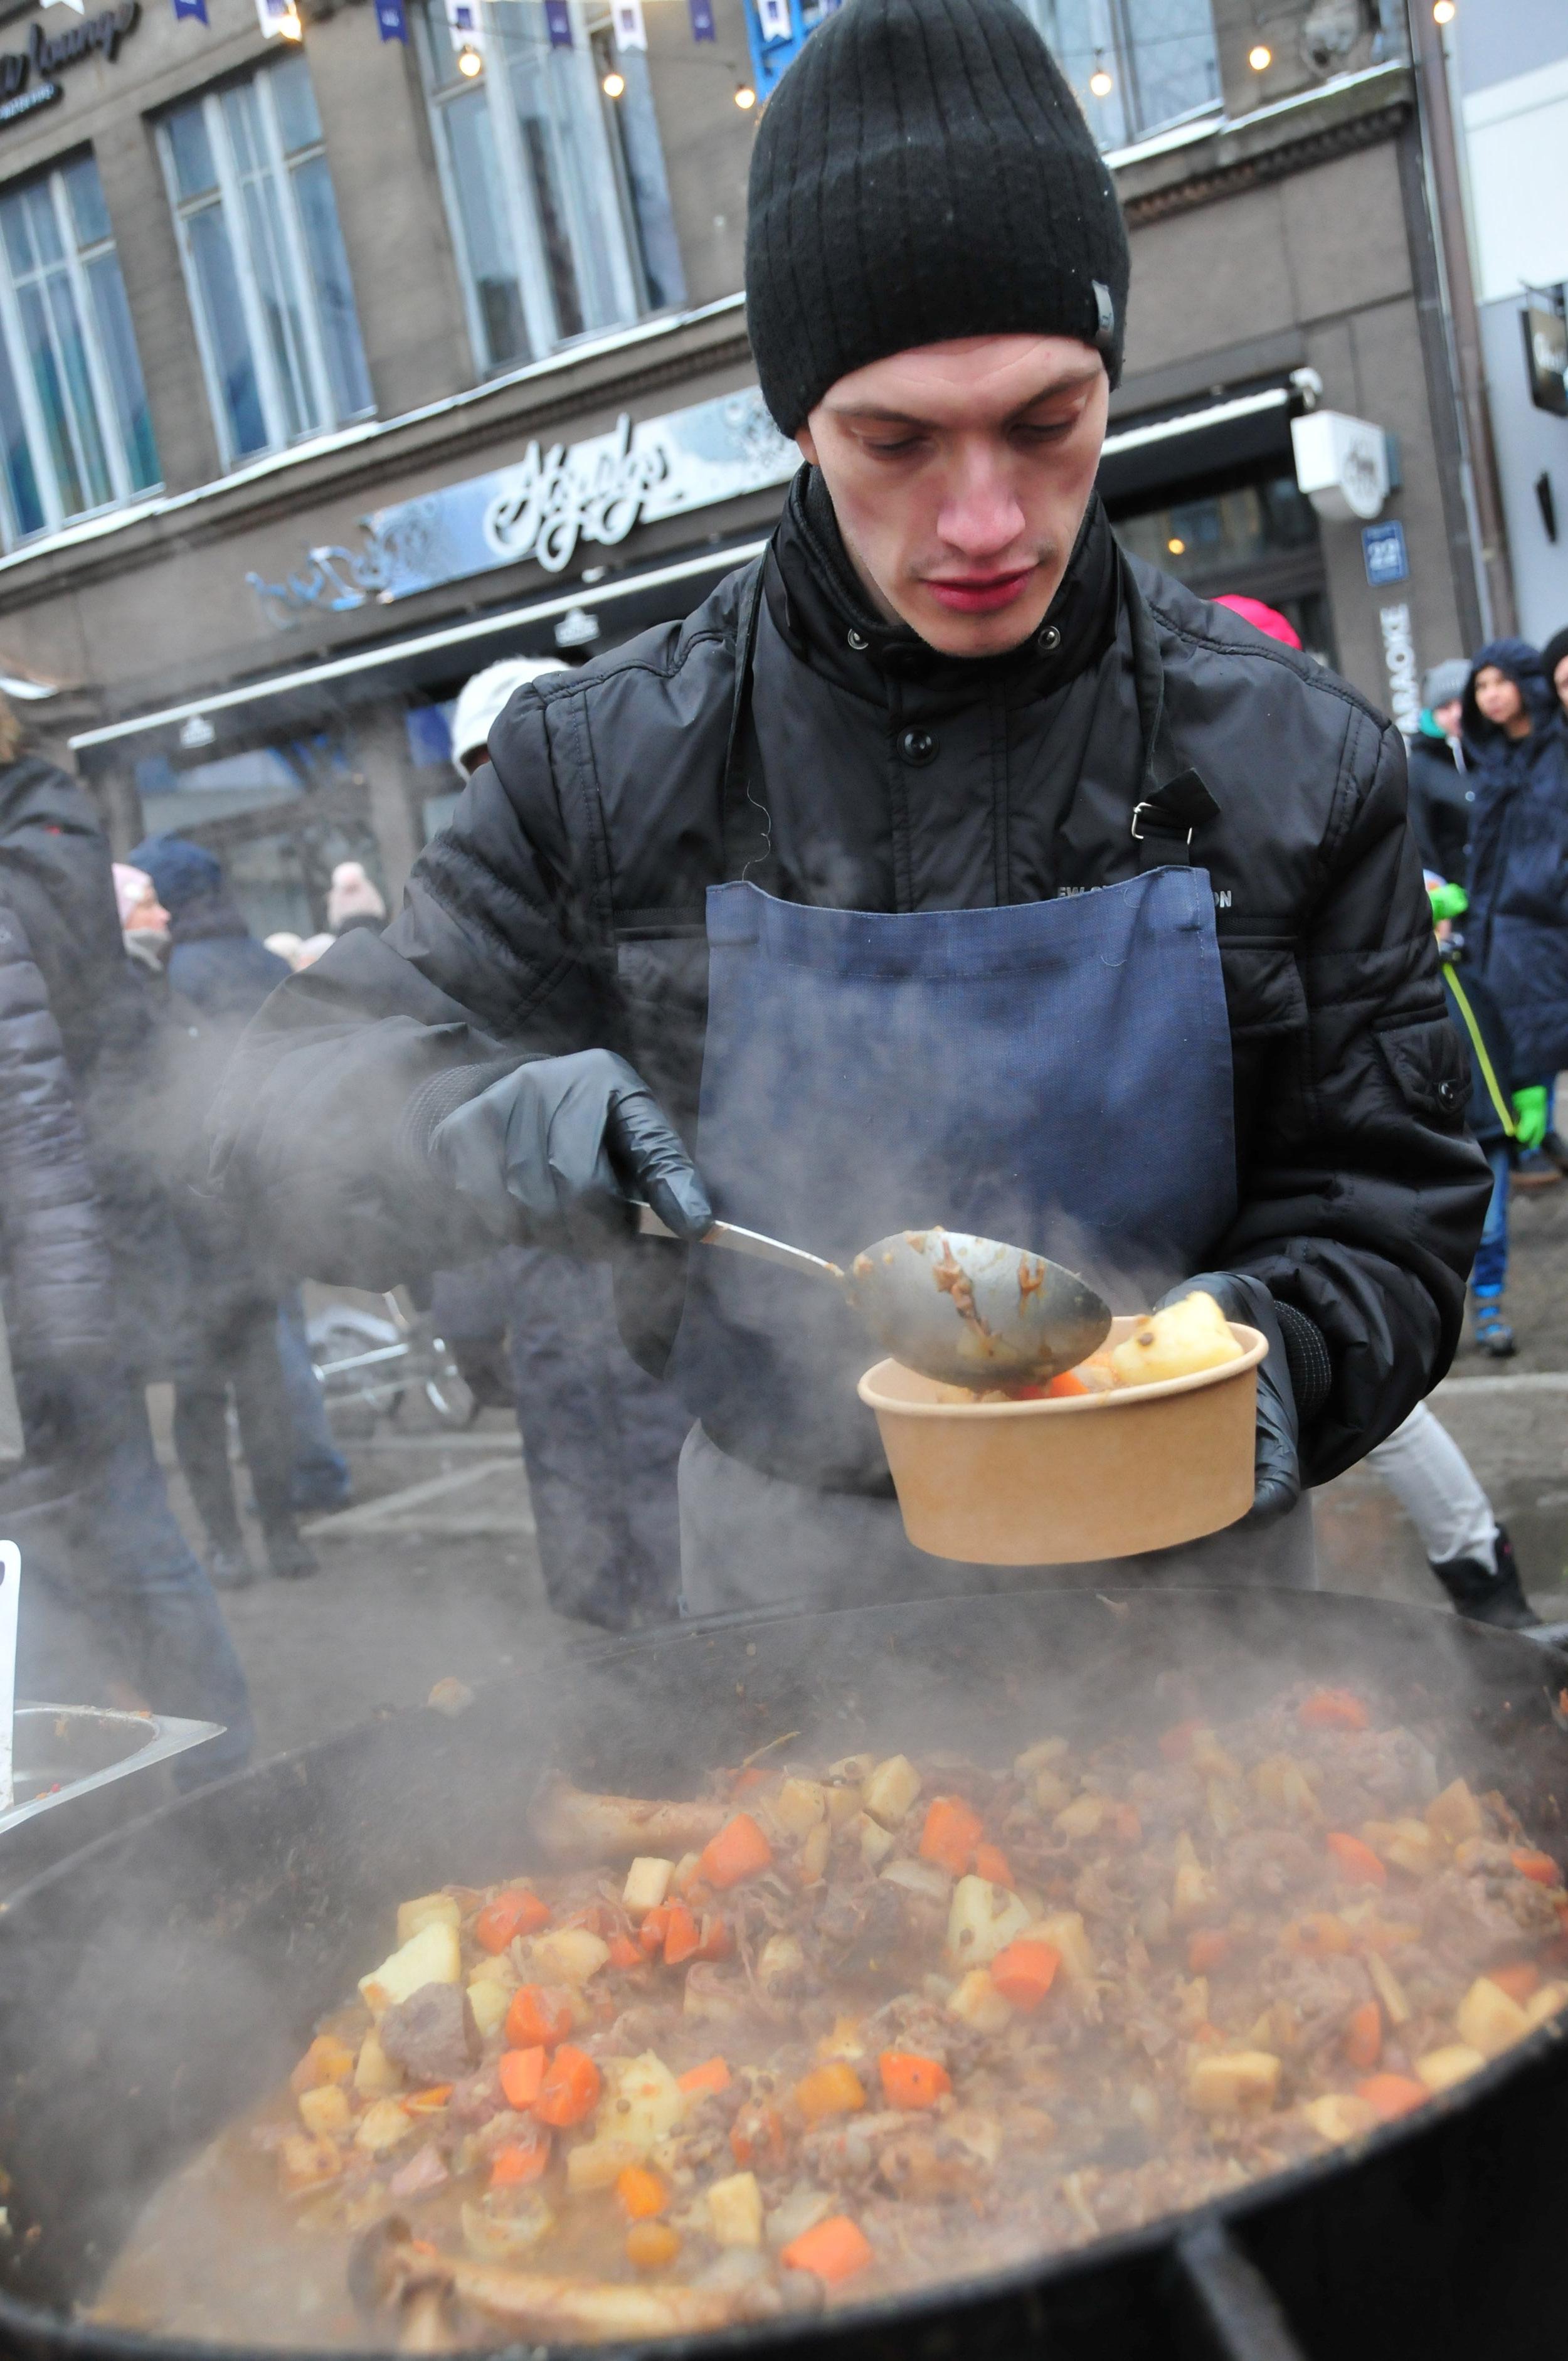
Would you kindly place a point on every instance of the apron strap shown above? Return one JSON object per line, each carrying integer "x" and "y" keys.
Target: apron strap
{"x": 748, "y": 829}
{"x": 1173, "y": 802}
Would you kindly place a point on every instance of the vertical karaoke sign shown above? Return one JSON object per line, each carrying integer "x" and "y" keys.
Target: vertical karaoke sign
{"x": 777, "y": 31}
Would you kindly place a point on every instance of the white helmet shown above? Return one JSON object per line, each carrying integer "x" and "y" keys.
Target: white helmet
{"x": 481, "y": 699}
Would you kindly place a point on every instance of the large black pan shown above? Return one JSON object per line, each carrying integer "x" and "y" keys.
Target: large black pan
{"x": 159, "y": 1982}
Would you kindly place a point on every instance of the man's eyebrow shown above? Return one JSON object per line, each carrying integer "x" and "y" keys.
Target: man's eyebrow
{"x": 866, "y": 413}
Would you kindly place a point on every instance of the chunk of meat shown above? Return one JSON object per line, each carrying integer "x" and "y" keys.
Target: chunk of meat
{"x": 1471, "y": 1921}
{"x": 424, "y": 2172}
{"x": 573, "y": 1825}
{"x": 1267, "y": 1863}
{"x": 432, "y": 2035}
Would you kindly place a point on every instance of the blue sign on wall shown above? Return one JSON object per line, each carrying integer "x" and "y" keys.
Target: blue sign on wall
{"x": 777, "y": 31}
{"x": 1383, "y": 553}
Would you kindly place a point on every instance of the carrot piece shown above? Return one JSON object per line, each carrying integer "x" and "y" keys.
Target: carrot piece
{"x": 1206, "y": 1949}
{"x": 1332, "y": 1709}
{"x": 991, "y": 1861}
{"x": 1364, "y": 2036}
{"x": 751, "y": 1774}
{"x": 712, "y": 2075}
{"x": 1392, "y": 2094}
{"x": 1063, "y": 1388}
{"x": 757, "y": 2135}
{"x": 655, "y": 1926}
{"x": 1320, "y": 1935}
{"x": 950, "y": 1834}
{"x": 834, "y": 2250}
{"x": 1518, "y": 1982}
{"x": 518, "y": 2162}
{"x": 1207, "y": 2032}
{"x": 326, "y": 2060}
{"x": 683, "y": 1935}
{"x": 1128, "y": 1824}
{"x": 911, "y": 2081}
{"x": 537, "y": 2016}
{"x": 641, "y": 2193}
{"x": 738, "y": 1851}
{"x": 521, "y": 2073}
{"x": 1176, "y": 1743}
{"x": 624, "y": 1952}
{"x": 651, "y": 2246}
{"x": 1024, "y": 1971}
{"x": 1539, "y": 1867}
{"x": 428, "y": 2101}
{"x": 1356, "y": 1862}
{"x": 835, "y": 2089}
{"x": 570, "y": 2089}
{"x": 516, "y": 1912}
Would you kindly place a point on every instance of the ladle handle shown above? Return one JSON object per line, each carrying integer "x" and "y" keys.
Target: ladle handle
{"x": 747, "y": 1242}
{"x": 10, "y": 1598}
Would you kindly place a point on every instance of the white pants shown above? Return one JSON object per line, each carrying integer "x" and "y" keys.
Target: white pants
{"x": 1435, "y": 1485}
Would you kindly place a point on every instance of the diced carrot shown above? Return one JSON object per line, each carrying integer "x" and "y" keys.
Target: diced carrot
{"x": 624, "y": 1952}
{"x": 651, "y": 2246}
{"x": 326, "y": 2060}
{"x": 570, "y": 2089}
{"x": 1518, "y": 1982}
{"x": 1207, "y": 2032}
{"x": 1128, "y": 1825}
{"x": 1392, "y": 2094}
{"x": 1024, "y": 1972}
{"x": 1356, "y": 1862}
{"x": 757, "y": 2135}
{"x": 910, "y": 2081}
{"x": 1332, "y": 1709}
{"x": 1176, "y": 1743}
{"x": 590, "y": 1915}
{"x": 835, "y": 2089}
{"x": 713, "y": 2074}
{"x": 834, "y": 2250}
{"x": 521, "y": 2073}
{"x": 1063, "y": 1388}
{"x": 1206, "y": 1949}
{"x": 516, "y": 1912}
{"x": 428, "y": 2101}
{"x": 991, "y": 1861}
{"x": 518, "y": 2162}
{"x": 750, "y": 1776}
{"x": 1320, "y": 1935}
{"x": 950, "y": 1834}
{"x": 683, "y": 1935}
{"x": 1538, "y": 1866}
{"x": 1364, "y": 2036}
{"x": 639, "y": 2193}
{"x": 738, "y": 1851}
{"x": 654, "y": 1928}
{"x": 537, "y": 2016}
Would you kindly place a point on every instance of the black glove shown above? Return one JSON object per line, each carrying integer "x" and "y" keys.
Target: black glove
{"x": 1277, "y": 1464}
{"x": 553, "y": 1153}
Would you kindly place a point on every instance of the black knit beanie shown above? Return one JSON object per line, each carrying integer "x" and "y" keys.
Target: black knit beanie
{"x": 922, "y": 172}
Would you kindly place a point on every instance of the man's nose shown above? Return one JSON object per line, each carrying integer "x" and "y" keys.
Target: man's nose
{"x": 982, "y": 515}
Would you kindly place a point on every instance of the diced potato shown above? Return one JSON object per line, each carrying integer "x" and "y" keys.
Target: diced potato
{"x": 382, "y": 2126}
{"x": 430, "y": 1957}
{"x": 843, "y": 1806}
{"x": 1456, "y": 1814}
{"x": 647, "y": 1882}
{"x": 779, "y": 1963}
{"x": 494, "y": 1968}
{"x": 427, "y": 1910}
{"x": 983, "y": 1920}
{"x": 642, "y": 2106}
{"x": 1411, "y": 1845}
{"x": 976, "y": 2001}
{"x": 707, "y": 2004}
{"x": 811, "y": 1862}
{"x": 1081, "y": 1817}
{"x": 1441, "y": 2069}
{"x": 1390, "y": 1990}
{"x": 845, "y": 2038}
{"x": 1488, "y": 2019}
{"x": 1185, "y": 1337}
{"x": 1193, "y": 1891}
{"x": 1045, "y": 1756}
{"x": 568, "y": 1955}
{"x": 875, "y": 1841}
{"x": 502, "y": 2237}
{"x": 600, "y": 2163}
{"x": 1286, "y": 1785}
{"x": 1236, "y": 2081}
{"x": 799, "y": 1804}
{"x": 489, "y": 2002}
{"x": 686, "y": 1873}
{"x": 1209, "y": 1757}
{"x": 1066, "y": 1933}
{"x": 1340, "y": 2116}
{"x": 1050, "y": 1792}
{"x": 304, "y": 2164}
{"x": 327, "y": 2060}
{"x": 1545, "y": 2002}
{"x": 801, "y": 2211}
{"x": 325, "y": 2112}
{"x": 977, "y": 2131}
{"x": 374, "y": 2076}
{"x": 891, "y": 1790}
{"x": 735, "y": 2210}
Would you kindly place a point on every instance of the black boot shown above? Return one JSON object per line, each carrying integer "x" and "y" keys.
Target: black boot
{"x": 1488, "y": 1597}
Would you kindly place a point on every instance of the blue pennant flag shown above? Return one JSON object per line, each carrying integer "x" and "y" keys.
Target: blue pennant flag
{"x": 703, "y": 27}
{"x": 197, "y": 8}
{"x": 391, "y": 20}
{"x": 558, "y": 16}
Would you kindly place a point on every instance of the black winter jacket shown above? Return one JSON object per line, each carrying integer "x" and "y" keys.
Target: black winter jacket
{"x": 563, "y": 908}
{"x": 1441, "y": 796}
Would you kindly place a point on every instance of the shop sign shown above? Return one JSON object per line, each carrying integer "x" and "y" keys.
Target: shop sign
{"x": 542, "y": 508}
{"x": 1342, "y": 464}
{"x": 27, "y": 75}
{"x": 1399, "y": 665}
{"x": 1546, "y": 350}
{"x": 1384, "y": 554}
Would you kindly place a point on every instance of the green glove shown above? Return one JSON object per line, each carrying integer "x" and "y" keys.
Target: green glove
{"x": 1530, "y": 1116}
{"x": 1449, "y": 901}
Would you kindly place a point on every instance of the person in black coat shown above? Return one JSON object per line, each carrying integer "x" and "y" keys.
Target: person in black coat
{"x": 229, "y": 1339}
{"x": 1441, "y": 793}
{"x": 1554, "y": 665}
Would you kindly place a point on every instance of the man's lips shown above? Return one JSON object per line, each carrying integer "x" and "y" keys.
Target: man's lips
{"x": 978, "y": 594}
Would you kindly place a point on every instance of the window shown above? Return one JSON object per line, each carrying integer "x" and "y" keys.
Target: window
{"x": 557, "y": 195}
{"x": 265, "y": 262}
{"x": 74, "y": 429}
{"x": 1158, "y": 55}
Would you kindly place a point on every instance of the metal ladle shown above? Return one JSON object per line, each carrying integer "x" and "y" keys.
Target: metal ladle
{"x": 966, "y": 1311}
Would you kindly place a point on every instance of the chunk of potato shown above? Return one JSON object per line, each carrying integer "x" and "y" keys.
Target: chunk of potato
{"x": 1081, "y": 1817}
{"x": 891, "y": 1790}
{"x": 1545, "y": 2002}
{"x": 779, "y": 1964}
{"x": 735, "y": 2210}
{"x": 876, "y": 1842}
{"x": 1441, "y": 2069}
{"x": 1193, "y": 1891}
{"x": 1043, "y": 1756}
{"x": 374, "y": 2076}
{"x": 647, "y": 1882}
{"x": 598, "y": 2163}
{"x": 982, "y": 1919}
{"x": 1066, "y": 1933}
{"x": 1050, "y": 1792}
{"x": 427, "y": 1910}
{"x": 976, "y": 2001}
{"x": 1237, "y": 2082}
{"x": 1390, "y": 1990}
{"x": 1411, "y": 1845}
{"x": 1341, "y": 2115}
{"x": 799, "y": 1804}
{"x": 811, "y": 1861}
{"x": 1177, "y": 1342}
{"x": 1489, "y": 2020}
{"x": 494, "y": 1968}
{"x": 489, "y": 2002}
{"x": 305, "y": 2164}
{"x": 843, "y": 1806}
{"x": 642, "y": 2106}
{"x": 325, "y": 2110}
{"x": 382, "y": 2126}
{"x": 430, "y": 1957}
{"x": 568, "y": 1955}
{"x": 1456, "y": 1814}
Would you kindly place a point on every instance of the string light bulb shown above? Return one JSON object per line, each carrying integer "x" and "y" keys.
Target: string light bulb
{"x": 470, "y": 64}
{"x": 1177, "y": 546}
{"x": 614, "y": 85}
{"x": 1100, "y": 80}
{"x": 290, "y": 26}
{"x": 1260, "y": 56}
{"x": 1443, "y": 12}
{"x": 745, "y": 97}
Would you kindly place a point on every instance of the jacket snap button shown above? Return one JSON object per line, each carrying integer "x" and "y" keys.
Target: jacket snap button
{"x": 1448, "y": 1093}
{"x": 1050, "y": 640}
{"x": 917, "y": 746}
{"x": 857, "y": 642}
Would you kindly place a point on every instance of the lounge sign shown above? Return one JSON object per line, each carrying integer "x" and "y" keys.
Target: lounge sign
{"x": 27, "y": 75}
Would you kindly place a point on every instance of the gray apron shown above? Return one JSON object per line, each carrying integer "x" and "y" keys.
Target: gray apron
{"x": 1057, "y": 1074}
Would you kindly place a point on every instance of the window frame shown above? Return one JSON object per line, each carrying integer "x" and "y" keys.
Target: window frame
{"x": 228, "y": 195}
{"x": 75, "y": 258}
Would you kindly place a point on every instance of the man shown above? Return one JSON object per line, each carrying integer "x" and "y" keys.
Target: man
{"x": 1441, "y": 792}
{"x": 1040, "y": 897}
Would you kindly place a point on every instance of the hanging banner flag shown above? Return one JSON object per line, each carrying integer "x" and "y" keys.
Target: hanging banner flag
{"x": 270, "y": 14}
{"x": 391, "y": 21}
{"x": 630, "y": 32}
{"x": 462, "y": 23}
{"x": 773, "y": 17}
{"x": 197, "y": 8}
{"x": 558, "y": 17}
{"x": 702, "y": 25}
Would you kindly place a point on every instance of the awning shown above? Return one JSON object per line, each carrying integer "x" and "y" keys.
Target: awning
{"x": 1208, "y": 438}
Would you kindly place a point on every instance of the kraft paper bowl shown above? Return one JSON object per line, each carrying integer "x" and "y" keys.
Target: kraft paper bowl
{"x": 1061, "y": 1483}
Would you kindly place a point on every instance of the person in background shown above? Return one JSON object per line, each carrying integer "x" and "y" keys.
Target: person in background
{"x": 284, "y": 946}
{"x": 1516, "y": 746}
{"x": 1442, "y": 792}
{"x": 1266, "y": 619}
{"x": 230, "y": 1334}
{"x": 1504, "y": 1120}
{"x": 353, "y": 901}
{"x": 1467, "y": 1549}
{"x": 1554, "y": 665}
